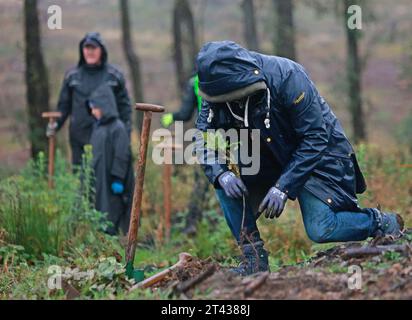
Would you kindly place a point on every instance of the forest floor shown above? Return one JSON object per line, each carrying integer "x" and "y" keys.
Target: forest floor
{"x": 70, "y": 246}
{"x": 385, "y": 267}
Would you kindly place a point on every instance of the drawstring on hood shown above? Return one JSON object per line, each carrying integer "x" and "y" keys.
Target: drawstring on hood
{"x": 267, "y": 119}
{"x": 227, "y": 72}
{"x": 245, "y": 118}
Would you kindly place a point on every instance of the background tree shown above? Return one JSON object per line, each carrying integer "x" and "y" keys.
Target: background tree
{"x": 284, "y": 38}
{"x": 355, "y": 60}
{"x": 185, "y": 42}
{"x": 132, "y": 59}
{"x": 354, "y": 75}
{"x": 36, "y": 79}
{"x": 249, "y": 25}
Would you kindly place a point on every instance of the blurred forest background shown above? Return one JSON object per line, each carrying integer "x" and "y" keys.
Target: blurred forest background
{"x": 385, "y": 47}
{"x": 366, "y": 76}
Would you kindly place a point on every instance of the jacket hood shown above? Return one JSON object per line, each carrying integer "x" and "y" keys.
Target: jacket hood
{"x": 229, "y": 70}
{"x": 104, "y": 99}
{"x": 95, "y": 37}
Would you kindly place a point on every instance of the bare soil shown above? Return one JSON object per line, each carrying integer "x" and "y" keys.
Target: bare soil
{"x": 325, "y": 276}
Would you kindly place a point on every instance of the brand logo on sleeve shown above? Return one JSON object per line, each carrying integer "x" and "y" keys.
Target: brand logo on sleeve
{"x": 299, "y": 99}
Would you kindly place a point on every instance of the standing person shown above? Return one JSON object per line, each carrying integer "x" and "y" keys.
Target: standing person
{"x": 79, "y": 82}
{"x": 191, "y": 104}
{"x": 112, "y": 160}
{"x": 304, "y": 153}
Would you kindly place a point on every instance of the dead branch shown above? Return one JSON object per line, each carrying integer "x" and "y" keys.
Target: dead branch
{"x": 191, "y": 283}
{"x": 183, "y": 259}
{"x": 373, "y": 251}
{"x": 255, "y": 284}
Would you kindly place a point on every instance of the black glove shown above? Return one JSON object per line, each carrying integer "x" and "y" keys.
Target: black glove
{"x": 233, "y": 186}
{"x": 274, "y": 203}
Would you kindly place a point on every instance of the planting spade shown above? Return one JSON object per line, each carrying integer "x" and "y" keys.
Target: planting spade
{"x": 52, "y": 116}
{"x": 138, "y": 189}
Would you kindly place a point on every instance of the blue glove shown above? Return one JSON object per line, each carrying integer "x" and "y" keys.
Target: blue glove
{"x": 117, "y": 187}
{"x": 233, "y": 186}
{"x": 273, "y": 203}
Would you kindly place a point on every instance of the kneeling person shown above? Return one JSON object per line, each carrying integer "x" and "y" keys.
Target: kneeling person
{"x": 304, "y": 153}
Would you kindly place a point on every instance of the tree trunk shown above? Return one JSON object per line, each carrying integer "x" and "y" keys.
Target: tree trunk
{"x": 249, "y": 24}
{"x": 36, "y": 79}
{"x": 185, "y": 43}
{"x": 354, "y": 78}
{"x": 132, "y": 60}
{"x": 284, "y": 41}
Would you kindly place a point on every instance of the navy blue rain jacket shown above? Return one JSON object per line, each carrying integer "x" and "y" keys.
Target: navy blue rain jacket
{"x": 304, "y": 136}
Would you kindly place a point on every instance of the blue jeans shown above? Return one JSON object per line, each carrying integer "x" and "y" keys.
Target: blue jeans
{"x": 321, "y": 223}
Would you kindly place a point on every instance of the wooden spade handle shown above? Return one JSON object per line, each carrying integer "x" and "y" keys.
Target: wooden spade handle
{"x": 149, "y": 107}
{"x": 51, "y": 115}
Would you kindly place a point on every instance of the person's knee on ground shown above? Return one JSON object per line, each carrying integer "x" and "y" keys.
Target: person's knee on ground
{"x": 319, "y": 235}
{"x": 321, "y": 231}
{"x": 319, "y": 221}
{"x": 323, "y": 225}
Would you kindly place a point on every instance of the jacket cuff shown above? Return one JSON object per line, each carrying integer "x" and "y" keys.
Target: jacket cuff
{"x": 218, "y": 173}
{"x": 286, "y": 189}
{"x": 120, "y": 170}
{"x": 116, "y": 179}
{"x": 60, "y": 124}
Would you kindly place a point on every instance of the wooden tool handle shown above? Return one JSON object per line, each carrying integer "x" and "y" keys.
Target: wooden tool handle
{"x": 51, "y": 115}
{"x": 149, "y": 107}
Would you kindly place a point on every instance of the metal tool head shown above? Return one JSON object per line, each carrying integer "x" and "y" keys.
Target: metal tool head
{"x": 149, "y": 107}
